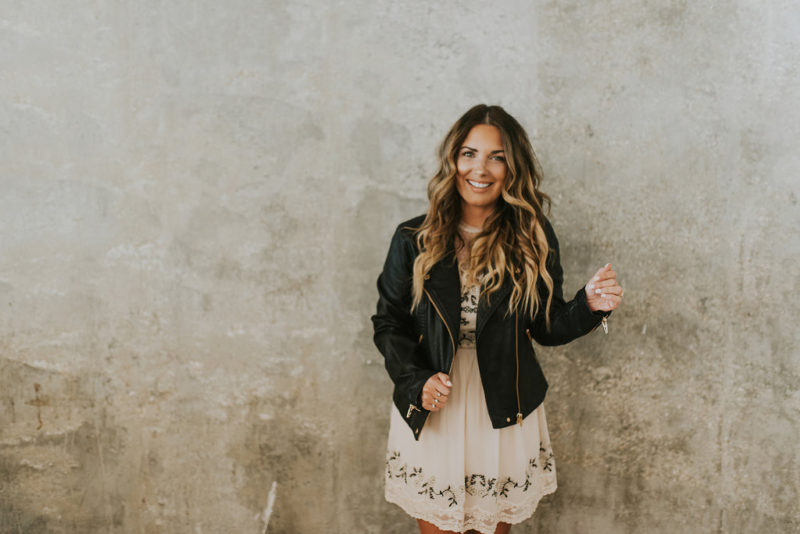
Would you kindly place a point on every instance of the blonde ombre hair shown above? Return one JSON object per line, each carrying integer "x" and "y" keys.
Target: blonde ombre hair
{"x": 513, "y": 236}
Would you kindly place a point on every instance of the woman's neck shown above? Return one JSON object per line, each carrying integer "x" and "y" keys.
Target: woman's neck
{"x": 475, "y": 215}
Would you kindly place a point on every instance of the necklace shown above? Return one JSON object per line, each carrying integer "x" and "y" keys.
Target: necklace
{"x": 469, "y": 229}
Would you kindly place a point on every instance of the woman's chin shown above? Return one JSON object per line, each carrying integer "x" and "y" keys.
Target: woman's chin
{"x": 479, "y": 202}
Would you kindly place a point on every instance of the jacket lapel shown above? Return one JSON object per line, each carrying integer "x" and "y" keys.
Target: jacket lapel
{"x": 445, "y": 287}
{"x": 485, "y": 310}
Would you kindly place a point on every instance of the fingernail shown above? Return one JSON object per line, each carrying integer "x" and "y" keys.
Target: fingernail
{"x": 596, "y": 278}
{"x": 602, "y": 295}
{"x": 607, "y": 264}
{"x": 449, "y": 383}
{"x": 597, "y": 291}
{"x": 591, "y": 286}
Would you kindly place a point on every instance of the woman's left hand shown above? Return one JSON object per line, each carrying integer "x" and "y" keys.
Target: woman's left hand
{"x": 603, "y": 292}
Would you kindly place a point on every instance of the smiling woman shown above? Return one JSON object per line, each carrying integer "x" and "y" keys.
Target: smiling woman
{"x": 464, "y": 291}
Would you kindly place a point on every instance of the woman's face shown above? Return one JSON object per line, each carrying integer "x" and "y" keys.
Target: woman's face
{"x": 481, "y": 167}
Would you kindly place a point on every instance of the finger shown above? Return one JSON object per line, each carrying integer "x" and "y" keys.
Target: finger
{"x": 600, "y": 288}
{"x": 603, "y": 273}
{"x": 434, "y": 397}
{"x": 444, "y": 379}
{"x": 606, "y": 283}
{"x": 606, "y": 292}
{"x": 612, "y": 290}
{"x": 603, "y": 269}
{"x": 607, "y": 275}
{"x": 428, "y": 404}
{"x": 431, "y": 395}
{"x": 597, "y": 289}
{"x": 444, "y": 391}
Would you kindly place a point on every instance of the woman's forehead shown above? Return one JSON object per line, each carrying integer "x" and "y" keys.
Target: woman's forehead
{"x": 485, "y": 135}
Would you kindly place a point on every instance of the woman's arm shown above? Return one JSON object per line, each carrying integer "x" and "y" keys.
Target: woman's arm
{"x": 568, "y": 320}
{"x": 393, "y": 323}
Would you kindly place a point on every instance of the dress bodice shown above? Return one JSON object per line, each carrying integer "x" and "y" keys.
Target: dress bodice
{"x": 469, "y": 293}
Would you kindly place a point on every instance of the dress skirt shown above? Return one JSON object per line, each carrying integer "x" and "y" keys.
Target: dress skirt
{"x": 462, "y": 473}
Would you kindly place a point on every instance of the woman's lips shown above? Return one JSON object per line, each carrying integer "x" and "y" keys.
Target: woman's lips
{"x": 477, "y": 188}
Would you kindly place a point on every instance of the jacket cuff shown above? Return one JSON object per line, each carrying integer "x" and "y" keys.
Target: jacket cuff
{"x": 415, "y": 390}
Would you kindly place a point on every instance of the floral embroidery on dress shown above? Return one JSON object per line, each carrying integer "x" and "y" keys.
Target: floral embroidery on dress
{"x": 475, "y": 484}
{"x": 469, "y": 311}
{"x": 397, "y": 470}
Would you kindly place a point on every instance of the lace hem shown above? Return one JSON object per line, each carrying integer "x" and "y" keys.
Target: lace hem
{"x": 461, "y": 521}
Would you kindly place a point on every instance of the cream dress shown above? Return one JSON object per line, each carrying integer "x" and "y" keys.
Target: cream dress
{"x": 462, "y": 473}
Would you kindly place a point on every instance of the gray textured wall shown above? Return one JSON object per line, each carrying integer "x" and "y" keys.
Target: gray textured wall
{"x": 197, "y": 199}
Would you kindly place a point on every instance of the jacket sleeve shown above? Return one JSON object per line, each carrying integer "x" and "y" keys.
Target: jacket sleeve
{"x": 568, "y": 320}
{"x": 394, "y": 325}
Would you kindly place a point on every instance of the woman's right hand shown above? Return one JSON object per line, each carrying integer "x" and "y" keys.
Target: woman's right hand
{"x": 436, "y": 391}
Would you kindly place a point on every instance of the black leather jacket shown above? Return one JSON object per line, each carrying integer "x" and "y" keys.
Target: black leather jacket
{"x": 416, "y": 347}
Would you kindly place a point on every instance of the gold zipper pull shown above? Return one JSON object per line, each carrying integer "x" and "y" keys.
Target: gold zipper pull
{"x": 605, "y": 326}
{"x": 410, "y": 408}
{"x": 519, "y": 419}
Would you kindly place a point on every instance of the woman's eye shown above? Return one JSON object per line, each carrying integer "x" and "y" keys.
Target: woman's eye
{"x": 470, "y": 153}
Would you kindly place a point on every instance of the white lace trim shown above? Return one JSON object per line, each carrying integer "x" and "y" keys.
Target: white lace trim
{"x": 458, "y": 520}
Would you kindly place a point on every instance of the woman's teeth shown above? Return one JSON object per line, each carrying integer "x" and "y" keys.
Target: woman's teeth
{"x": 478, "y": 185}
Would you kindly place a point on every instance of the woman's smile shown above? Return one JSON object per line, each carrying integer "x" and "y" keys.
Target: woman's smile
{"x": 479, "y": 185}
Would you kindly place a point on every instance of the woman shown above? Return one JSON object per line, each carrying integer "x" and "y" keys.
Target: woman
{"x": 464, "y": 290}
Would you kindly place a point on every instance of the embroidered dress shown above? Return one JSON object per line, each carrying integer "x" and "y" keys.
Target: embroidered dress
{"x": 462, "y": 473}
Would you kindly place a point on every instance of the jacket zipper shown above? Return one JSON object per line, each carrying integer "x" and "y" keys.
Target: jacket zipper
{"x": 603, "y": 323}
{"x": 516, "y": 356}
{"x": 452, "y": 342}
{"x": 412, "y": 406}
{"x": 450, "y": 333}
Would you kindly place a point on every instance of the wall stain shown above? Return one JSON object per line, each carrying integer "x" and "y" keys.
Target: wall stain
{"x": 38, "y": 402}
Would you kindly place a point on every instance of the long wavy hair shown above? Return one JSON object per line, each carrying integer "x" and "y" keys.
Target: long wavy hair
{"x": 513, "y": 242}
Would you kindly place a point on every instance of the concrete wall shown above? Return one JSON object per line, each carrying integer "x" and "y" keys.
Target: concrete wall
{"x": 197, "y": 199}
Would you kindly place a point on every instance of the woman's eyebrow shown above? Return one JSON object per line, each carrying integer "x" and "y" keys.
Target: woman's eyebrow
{"x": 476, "y": 150}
